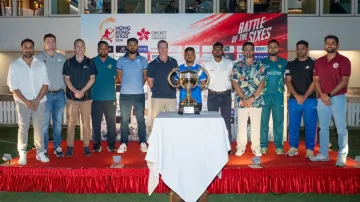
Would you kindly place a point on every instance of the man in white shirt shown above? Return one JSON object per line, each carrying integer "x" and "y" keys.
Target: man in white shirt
{"x": 28, "y": 80}
{"x": 219, "y": 94}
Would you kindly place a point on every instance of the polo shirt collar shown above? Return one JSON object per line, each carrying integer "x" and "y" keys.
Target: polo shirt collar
{"x": 159, "y": 60}
{"x": 335, "y": 58}
{"x": 47, "y": 56}
{"x": 127, "y": 54}
{"x": 221, "y": 61}
{"x": 99, "y": 59}
{"x": 278, "y": 59}
{"x": 85, "y": 58}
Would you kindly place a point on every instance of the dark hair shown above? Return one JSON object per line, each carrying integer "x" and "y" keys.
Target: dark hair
{"x": 132, "y": 40}
{"x": 303, "y": 42}
{"x": 77, "y": 40}
{"x": 248, "y": 43}
{"x": 103, "y": 42}
{"x": 218, "y": 44}
{"x": 163, "y": 41}
{"x": 332, "y": 37}
{"x": 199, "y": 1}
{"x": 273, "y": 41}
{"x": 49, "y": 36}
{"x": 189, "y": 49}
{"x": 27, "y": 40}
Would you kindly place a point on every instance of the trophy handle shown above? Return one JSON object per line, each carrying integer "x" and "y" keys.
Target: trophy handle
{"x": 207, "y": 77}
{"x": 169, "y": 78}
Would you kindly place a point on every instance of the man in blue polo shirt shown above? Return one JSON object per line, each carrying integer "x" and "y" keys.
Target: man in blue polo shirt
{"x": 132, "y": 71}
{"x": 274, "y": 98}
{"x": 163, "y": 96}
{"x": 104, "y": 98}
{"x": 189, "y": 57}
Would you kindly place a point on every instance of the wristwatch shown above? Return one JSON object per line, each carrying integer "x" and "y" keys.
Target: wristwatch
{"x": 329, "y": 94}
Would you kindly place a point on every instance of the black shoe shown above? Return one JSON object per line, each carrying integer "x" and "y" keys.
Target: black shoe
{"x": 69, "y": 151}
{"x": 111, "y": 148}
{"x": 58, "y": 152}
{"x": 87, "y": 151}
{"x": 97, "y": 148}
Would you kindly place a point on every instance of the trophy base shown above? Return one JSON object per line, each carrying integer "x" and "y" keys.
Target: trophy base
{"x": 189, "y": 110}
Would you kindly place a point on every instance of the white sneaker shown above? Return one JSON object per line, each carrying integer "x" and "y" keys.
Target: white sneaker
{"x": 292, "y": 152}
{"x": 122, "y": 148}
{"x": 257, "y": 152}
{"x": 41, "y": 157}
{"x": 22, "y": 160}
{"x": 239, "y": 152}
{"x": 143, "y": 147}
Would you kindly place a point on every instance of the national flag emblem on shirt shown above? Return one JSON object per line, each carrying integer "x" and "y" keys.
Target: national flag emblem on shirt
{"x": 109, "y": 66}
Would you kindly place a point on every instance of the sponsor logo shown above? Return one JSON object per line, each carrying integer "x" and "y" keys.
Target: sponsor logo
{"x": 336, "y": 65}
{"x": 153, "y": 57}
{"x": 121, "y": 49}
{"x": 122, "y": 32}
{"x": 240, "y": 57}
{"x": 206, "y": 49}
{"x": 229, "y": 56}
{"x": 229, "y": 49}
{"x": 260, "y": 56}
{"x": 158, "y": 35}
{"x": 111, "y": 49}
{"x": 239, "y": 49}
{"x": 106, "y": 29}
{"x": 143, "y": 34}
{"x": 274, "y": 73}
{"x": 261, "y": 49}
{"x": 143, "y": 49}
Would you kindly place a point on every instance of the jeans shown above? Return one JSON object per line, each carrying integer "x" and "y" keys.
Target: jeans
{"x": 296, "y": 111}
{"x": 222, "y": 101}
{"x": 108, "y": 109}
{"x": 126, "y": 103}
{"x": 338, "y": 110}
{"x": 54, "y": 109}
{"x": 274, "y": 104}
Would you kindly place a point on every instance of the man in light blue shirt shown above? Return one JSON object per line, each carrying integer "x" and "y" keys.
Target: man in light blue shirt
{"x": 132, "y": 71}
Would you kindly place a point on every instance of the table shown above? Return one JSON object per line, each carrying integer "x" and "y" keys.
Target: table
{"x": 189, "y": 151}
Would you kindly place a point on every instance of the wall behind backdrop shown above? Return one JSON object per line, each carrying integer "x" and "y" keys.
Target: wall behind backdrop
{"x": 200, "y": 31}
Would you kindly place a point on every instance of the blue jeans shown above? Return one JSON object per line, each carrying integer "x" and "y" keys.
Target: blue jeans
{"x": 308, "y": 109}
{"x": 54, "y": 109}
{"x": 338, "y": 110}
{"x": 126, "y": 103}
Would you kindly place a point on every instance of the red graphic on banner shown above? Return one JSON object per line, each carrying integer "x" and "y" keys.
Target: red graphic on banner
{"x": 236, "y": 29}
{"x": 143, "y": 34}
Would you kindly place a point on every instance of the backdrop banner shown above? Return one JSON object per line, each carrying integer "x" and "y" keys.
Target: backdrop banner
{"x": 199, "y": 31}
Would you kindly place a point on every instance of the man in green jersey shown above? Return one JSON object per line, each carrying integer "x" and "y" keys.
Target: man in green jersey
{"x": 274, "y": 98}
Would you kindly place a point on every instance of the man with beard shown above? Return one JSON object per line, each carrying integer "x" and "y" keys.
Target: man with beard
{"x": 219, "y": 94}
{"x": 104, "y": 98}
{"x": 248, "y": 80}
{"x": 79, "y": 75}
{"x": 163, "y": 96}
{"x": 28, "y": 81}
{"x": 132, "y": 73}
{"x": 274, "y": 98}
{"x": 332, "y": 73}
{"x": 189, "y": 57}
{"x": 299, "y": 80}
{"x": 55, "y": 96}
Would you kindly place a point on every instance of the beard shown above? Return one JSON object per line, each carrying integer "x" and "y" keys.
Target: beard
{"x": 28, "y": 54}
{"x": 102, "y": 55}
{"x": 217, "y": 56}
{"x": 274, "y": 54}
{"x": 330, "y": 50}
{"x": 132, "y": 51}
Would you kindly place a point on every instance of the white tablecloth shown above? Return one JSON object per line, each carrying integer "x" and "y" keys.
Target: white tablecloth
{"x": 189, "y": 151}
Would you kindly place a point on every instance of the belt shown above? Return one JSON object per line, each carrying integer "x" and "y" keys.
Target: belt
{"x": 55, "y": 91}
{"x": 220, "y": 92}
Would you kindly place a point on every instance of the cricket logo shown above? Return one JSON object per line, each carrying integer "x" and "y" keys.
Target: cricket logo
{"x": 106, "y": 29}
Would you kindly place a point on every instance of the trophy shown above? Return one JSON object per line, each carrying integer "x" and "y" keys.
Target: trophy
{"x": 188, "y": 79}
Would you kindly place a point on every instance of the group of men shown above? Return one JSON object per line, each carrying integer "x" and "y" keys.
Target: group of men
{"x": 45, "y": 84}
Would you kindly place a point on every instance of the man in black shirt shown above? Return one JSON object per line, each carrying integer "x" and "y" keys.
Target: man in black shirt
{"x": 79, "y": 75}
{"x": 299, "y": 80}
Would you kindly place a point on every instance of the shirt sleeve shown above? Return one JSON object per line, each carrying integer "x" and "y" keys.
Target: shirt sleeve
{"x": 262, "y": 72}
{"x": 346, "y": 68}
{"x": 45, "y": 75}
{"x": 316, "y": 68}
{"x": 288, "y": 70}
{"x": 12, "y": 79}
{"x": 66, "y": 68}
{"x": 93, "y": 69}
{"x": 234, "y": 73}
{"x": 144, "y": 64}
{"x": 119, "y": 64}
{"x": 150, "y": 70}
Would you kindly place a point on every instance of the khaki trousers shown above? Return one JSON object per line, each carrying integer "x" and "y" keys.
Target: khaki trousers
{"x": 161, "y": 104}
{"x": 255, "y": 119}
{"x": 72, "y": 112}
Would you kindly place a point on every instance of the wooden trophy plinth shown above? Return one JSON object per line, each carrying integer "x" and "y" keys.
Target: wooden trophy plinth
{"x": 176, "y": 198}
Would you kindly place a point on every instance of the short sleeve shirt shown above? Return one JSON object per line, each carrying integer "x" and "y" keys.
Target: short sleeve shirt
{"x": 195, "y": 92}
{"x": 275, "y": 74}
{"x": 79, "y": 73}
{"x": 103, "y": 88}
{"x": 302, "y": 73}
{"x": 159, "y": 71}
{"x": 249, "y": 78}
{"x": 330, "y": 73}
{"x": 132, "y": 74}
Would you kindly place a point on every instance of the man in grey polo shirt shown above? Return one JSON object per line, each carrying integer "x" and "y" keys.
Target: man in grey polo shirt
{"x": 55, "y": 95}
{"x": 132, "y": 70}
